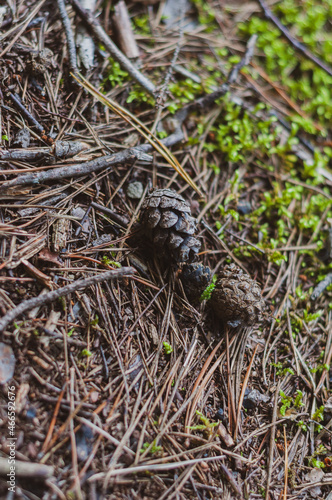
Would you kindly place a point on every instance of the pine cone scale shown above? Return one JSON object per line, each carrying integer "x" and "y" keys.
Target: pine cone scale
{"x": 167, "y": 217}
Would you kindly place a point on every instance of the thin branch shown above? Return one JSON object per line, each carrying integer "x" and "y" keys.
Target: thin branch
{"x": 60, "y": 149}
{"x": 79, "y": 169}
{"x": 118, "y": 219}
{"x": 110, "y": 46}
{"x": 272, "y": 438}
{"x": 298, "y": 45}
{"x": 153, "y": 467}
{"x": 69, "y": 36}
{"x": 18, "y": 104}
{"x": 41, "y": 300}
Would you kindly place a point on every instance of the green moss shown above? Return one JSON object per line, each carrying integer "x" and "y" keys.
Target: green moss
{"x": 137, "y": 94}
{"x": 206, "y": 295}
{"x": 237, "y": 133}
{"x": 142, "y": 24}
{"x": 167, "y": 348}
{"x": 206, "y": 14}
{"x": 300, "y": 78}
{"x": 115, "y": 75}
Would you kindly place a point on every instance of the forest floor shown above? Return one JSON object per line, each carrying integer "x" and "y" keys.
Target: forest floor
{"x": 125, "y": 388}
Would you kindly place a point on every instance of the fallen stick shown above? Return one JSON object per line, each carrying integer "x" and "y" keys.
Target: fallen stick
{"x": 69, "y": 36}
{"x": 60, "y": 149}
{"x": 17, "y": 103}
{"x": 41, "y": 300}
{"x": 126, "y": 156}
{"x": 122, "y": 25}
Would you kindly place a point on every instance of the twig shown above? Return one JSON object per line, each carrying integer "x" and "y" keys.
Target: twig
{"x": 110, "y": 46}
{"x": 244, "y": 386}
{"x": 286, "y": 464}
{"x": 230, "y": 478}
{"x": 153, "y": 467}
{"x": 122, "y": 221}
{"x": 17, "y": 103}
{"x": 84, "y": 42}
{"x": 298, "y": 45}
{"x": 79, "y": 169}
{"x": 60, "y": 149}
{"x": 322, "y": 285}
{"x": 69, "y": 36}
{"x": 122, "y": 25}
{"x": 164, "y": 87}
{"x": 41, "y": 300}
{"x": 272, "y": 437}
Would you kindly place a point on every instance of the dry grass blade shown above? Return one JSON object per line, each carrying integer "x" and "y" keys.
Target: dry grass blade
{"x": 140, "y": 127}
{"x": 244, "y": 386}
{"x": 286, "y": 465}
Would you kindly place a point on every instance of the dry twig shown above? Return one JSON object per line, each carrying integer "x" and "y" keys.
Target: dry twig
{"x": 26, "y": 305}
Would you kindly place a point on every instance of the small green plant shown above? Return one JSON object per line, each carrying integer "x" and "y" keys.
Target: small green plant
{"x": 95, "y": 321}
{"x": 115, "y": 74}
{"x": 142, "y": 24}
{"x": 302, "y": 425}
{"x": 281, "y": 371}
{"x": 308, "y": 20}
{"x": 62, "y": 302}
{"x": 206, "y": 426}
{"x": 139, "y": 95}
{"x": 238, "y": 133}
{"x": 153, "y": 450}
{"x": 86, "y": 353}
{"x": 290, "y": 403}
{"x": 206, "y": 295}
{"x": 206, "y": 15}
{"x": 108, "y": 262}
{"x": 318, "y": 415}
{"x": 320, "y": 368}
{"x": 313, "y": 461}
{"x": 167, "y": 348}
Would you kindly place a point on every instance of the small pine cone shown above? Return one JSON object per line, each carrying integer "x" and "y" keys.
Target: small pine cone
{"x": 195, "y": 278}
{"x": 166, "y": 216}
{"x": 237, "y": 299}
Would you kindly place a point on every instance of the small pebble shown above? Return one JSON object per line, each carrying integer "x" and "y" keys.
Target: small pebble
{"x": 220, "y": 414}
{"x": 253, "y": 398}
{"x": 244, "y": 207}
{"x": 135, "y": 190}
{"x": 22, "y": 139}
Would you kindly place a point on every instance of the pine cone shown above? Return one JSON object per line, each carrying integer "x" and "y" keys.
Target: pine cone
{"x": 166, "y": 216}
{"x": 195, "y": 278}
{"x": 237, "y": 299}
